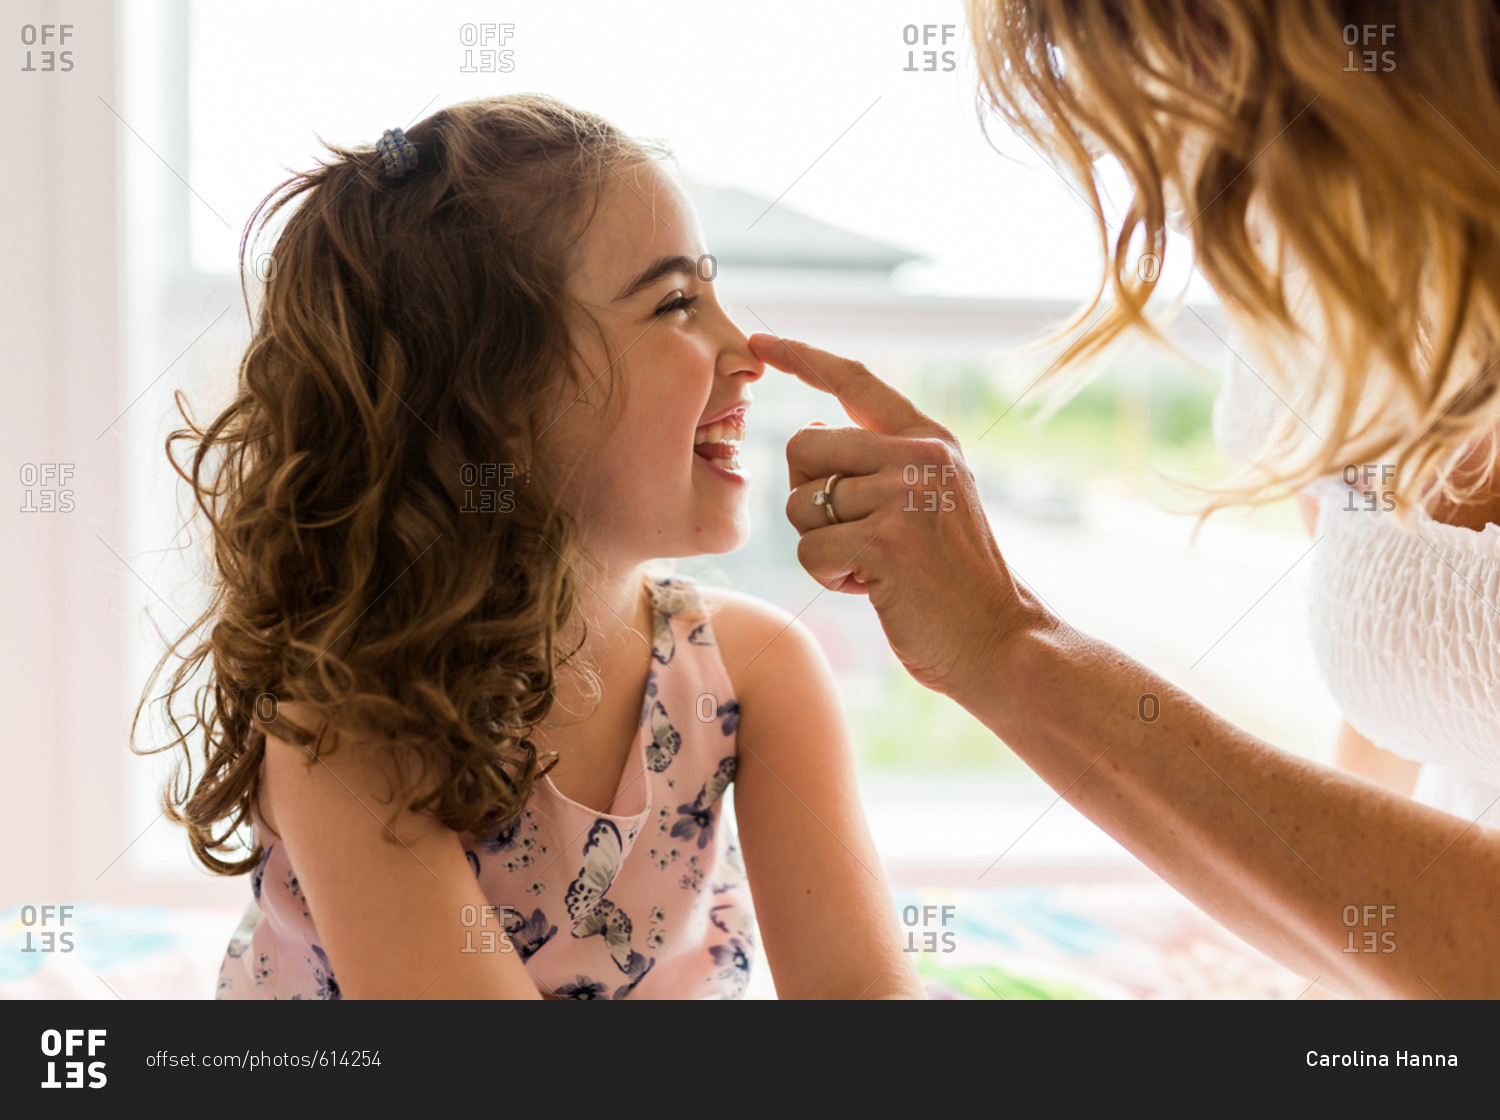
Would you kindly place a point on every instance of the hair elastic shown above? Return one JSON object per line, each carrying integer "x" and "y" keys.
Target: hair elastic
{"x": 397, "y": 152}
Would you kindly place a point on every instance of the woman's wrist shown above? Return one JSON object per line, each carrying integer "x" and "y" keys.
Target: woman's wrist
{"x": 993, "y": 669}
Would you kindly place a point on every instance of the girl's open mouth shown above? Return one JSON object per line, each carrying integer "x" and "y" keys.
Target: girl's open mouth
{"x": 719, "y": 442}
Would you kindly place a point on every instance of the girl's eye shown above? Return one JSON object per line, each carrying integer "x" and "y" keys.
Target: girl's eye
{"x": 681, "y": 303}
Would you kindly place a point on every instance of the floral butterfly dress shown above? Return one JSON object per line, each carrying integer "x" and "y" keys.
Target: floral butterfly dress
{"x": 647, "y": 902}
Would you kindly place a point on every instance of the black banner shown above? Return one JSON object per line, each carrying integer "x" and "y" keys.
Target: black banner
{"x": 116, "y": 1051}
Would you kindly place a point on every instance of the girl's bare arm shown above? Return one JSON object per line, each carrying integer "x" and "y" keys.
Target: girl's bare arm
{"x": 396, "y": 904}
{"x": 821, "y": 897}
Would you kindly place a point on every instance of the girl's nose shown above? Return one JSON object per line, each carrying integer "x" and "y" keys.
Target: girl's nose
{"x": 738, "y": 359}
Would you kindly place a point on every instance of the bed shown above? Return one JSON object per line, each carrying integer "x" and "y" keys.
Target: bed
{"x": 1056, "y": 941}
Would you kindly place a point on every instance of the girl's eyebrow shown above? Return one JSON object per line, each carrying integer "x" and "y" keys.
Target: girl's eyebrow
{"x": 665, "y": 266}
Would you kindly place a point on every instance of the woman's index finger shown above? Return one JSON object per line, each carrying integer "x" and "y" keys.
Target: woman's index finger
{"x": 869, "y": 401}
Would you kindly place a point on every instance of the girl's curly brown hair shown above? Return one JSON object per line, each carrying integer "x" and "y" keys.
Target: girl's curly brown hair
{"x": 387, "y": 549}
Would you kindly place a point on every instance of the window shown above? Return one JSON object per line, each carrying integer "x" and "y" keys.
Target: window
{"x": 890, "y": 231}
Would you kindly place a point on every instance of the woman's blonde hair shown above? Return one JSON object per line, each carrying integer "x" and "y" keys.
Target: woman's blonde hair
{"x": 1366, "y": 135}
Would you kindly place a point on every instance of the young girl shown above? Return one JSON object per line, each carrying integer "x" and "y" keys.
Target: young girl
{"x": 479, "y": 750}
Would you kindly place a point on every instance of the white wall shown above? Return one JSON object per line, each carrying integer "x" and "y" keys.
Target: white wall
{"x": 59, "y": 669}
{"x": 67, "y": 597}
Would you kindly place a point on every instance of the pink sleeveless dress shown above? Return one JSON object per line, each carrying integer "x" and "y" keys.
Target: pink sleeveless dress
{"x": 649, "y": 901}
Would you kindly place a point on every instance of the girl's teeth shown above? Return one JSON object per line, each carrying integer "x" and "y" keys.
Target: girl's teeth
{"x": 722, "y": 431}
{"x": 719, "y": 442}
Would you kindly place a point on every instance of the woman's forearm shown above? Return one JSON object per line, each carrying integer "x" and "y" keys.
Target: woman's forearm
{"x": 1346, "y": 882}
{"x": 1336, "y": 877}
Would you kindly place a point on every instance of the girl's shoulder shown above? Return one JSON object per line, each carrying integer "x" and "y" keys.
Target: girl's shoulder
{"x": 733, "y": 611}
{"x": 756, "y": 639}
{"x": 676, "y": 597}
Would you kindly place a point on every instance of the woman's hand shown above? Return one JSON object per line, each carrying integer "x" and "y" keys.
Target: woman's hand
{"x": 1274, "y": 846}
{"x": 911, "y": 533}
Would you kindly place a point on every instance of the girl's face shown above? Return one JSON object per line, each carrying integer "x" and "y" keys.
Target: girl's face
{"x": 652, "y": 443}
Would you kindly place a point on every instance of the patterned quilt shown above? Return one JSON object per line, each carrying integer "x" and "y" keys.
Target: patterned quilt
{"x": 1066, "y": 941}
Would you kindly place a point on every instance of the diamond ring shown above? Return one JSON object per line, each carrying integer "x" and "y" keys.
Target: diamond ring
{"x": 824, "y": 498}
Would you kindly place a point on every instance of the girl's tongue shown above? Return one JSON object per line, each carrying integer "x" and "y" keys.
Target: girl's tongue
{"x": 719, "y": 442}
